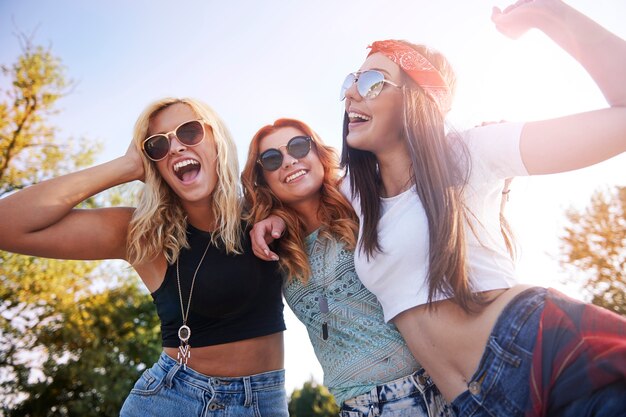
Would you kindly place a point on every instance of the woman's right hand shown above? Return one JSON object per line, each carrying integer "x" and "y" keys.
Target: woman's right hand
{"x": 135, "y": 159}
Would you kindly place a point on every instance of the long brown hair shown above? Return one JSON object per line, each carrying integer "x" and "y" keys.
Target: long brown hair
{"x": 338, "y": 219}
{"x": 440, "y": 167}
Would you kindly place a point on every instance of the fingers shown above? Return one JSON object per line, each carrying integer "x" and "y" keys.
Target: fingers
{"x": 277, "y": 226}
{"x": 495, "y": 14}
{"x": 507, "y": 19}
{"x": 261, "y": 236}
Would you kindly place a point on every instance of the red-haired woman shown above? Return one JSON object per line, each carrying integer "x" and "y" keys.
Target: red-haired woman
{"x": 367, "y": 366}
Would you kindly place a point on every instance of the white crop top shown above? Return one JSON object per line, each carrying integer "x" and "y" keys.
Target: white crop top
{"x": 397, "y": 276}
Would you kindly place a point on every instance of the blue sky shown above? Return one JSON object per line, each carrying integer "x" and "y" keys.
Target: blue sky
{"x": 257, "y": 61}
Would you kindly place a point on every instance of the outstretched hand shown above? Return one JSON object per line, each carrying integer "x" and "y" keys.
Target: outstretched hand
{"x": 265, "y": 232}
{"x": 518, "y": 18}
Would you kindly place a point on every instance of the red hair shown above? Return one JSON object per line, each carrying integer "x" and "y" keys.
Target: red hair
{"x": 339, "y": 221}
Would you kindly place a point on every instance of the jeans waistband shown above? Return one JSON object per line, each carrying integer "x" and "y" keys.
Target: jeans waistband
{"x": 516, "y": 313}
{"x": 265, "y": 380}
{"x": 393, "y": 390}
{"x": 500, "y": 385}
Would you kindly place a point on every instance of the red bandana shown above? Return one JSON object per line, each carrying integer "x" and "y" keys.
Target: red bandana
{"x": 418, "y": 68}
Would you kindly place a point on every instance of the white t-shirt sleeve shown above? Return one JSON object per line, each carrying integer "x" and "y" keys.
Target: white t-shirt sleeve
{"x": 495, "y": 150}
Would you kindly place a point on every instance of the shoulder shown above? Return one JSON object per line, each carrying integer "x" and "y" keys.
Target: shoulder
{"x": 494, "y": 148}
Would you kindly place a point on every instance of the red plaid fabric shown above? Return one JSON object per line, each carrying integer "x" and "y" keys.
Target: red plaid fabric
{"x": 580, "y": 348}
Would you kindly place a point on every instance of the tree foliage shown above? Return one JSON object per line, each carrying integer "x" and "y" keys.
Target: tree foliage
{"x": 29, "y": 148}
{"x": 312, "y": 400}
{"x": 594, "y": 249}
{"x": 74, "y": 336}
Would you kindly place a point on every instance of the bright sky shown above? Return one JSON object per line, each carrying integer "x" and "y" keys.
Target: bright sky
{"x": 254, "y": 62}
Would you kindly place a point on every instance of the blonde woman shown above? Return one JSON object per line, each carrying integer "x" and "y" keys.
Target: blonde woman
{"x": 220, "y": 308}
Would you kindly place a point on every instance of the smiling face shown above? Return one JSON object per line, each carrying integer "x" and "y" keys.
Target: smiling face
{"x": 189, "y": 171}
{"x": 376, "y": 124}
{"x": 296, "y": 181}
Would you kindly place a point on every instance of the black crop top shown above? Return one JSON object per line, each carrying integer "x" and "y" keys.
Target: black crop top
{"x": 235, "y": 297}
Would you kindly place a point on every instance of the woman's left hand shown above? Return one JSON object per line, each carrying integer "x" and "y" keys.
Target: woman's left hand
{"x": 518, "y": 18}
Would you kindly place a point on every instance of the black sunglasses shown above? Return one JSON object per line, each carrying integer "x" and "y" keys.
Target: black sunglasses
{"x": 190, "y": 133}
{"x": 298, "y": 147}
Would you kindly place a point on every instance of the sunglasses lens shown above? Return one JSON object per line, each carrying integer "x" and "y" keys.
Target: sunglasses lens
{"x": 347, "y": 83}
{"x": 370, "y": 84}
{"x": 156, "y": 147}
{"x": 190, "y": 133}
{"x": 299, "y": 146}
{"x": 271, "y": 159}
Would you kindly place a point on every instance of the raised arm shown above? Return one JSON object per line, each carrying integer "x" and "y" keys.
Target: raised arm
{"x": 41, "y": 220}
{"x": 580, "y": 140}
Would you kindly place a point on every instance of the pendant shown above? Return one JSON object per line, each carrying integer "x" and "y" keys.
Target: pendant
{"x": 323, "y": 304}
{"x": 184, "y": 333}
{"x": 184, "y": 353}
{"x": 184, "y": 350}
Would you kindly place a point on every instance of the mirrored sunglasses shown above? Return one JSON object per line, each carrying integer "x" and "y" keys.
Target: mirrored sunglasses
{"x": 369, "y": 83}
{"x": 298, "y": 147}
{"x": 190, "y": 133}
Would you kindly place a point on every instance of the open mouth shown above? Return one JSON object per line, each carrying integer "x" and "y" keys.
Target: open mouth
{"x": 187, "y": 170}
{"x": 355, "y": 117}
{"x": 295, "y": 176}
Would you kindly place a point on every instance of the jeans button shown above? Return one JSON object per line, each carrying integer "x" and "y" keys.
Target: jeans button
{"x": 215, "y": 406}
{"x": 474, "y": 387}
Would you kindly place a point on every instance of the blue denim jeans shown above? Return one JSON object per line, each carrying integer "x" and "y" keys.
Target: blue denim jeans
{"x": 168, "y": 390}
{"x": 500, "y": 386}
{"x": 414, "y": 395}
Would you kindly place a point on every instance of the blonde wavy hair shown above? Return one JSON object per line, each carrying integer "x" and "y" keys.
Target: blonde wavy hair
{"x": 159, "y": 222}
{"x": 339, "y": 222}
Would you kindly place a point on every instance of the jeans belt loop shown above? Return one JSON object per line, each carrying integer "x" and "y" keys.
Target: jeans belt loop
{"x": 247, "y": 386}
{"x": 170, "y": 375}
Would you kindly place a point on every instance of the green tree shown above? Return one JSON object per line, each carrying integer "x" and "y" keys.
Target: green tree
{"x": 312, "y": 400}
{"x": 73, "y": 335}
{"x": 594, "y": 249}
{"x": 29, "y": 148}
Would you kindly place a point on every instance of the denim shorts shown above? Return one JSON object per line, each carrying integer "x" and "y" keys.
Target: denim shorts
{"x": 500, "y": 386}
{"x": 168, "y": 390}
{"x": 414, "y": 395}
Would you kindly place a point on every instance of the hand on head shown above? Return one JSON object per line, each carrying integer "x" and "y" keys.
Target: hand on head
{"x": 136, "y": 159}
{"x": 518, "y": 18}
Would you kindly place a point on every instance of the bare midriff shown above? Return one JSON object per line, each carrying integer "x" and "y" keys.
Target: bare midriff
{"x": 241, "y": 358}
{"x": 448, "y": 342}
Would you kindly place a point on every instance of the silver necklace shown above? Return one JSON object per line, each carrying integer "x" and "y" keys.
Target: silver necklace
{"x": 323, "y": 301}
{"x": 184, "y": 332}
